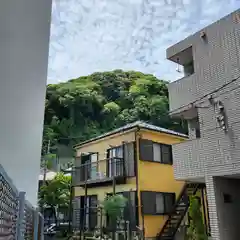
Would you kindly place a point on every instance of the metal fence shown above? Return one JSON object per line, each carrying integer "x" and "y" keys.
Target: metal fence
{"x": 93, "y": 221}
{"x": 19, "y": 220}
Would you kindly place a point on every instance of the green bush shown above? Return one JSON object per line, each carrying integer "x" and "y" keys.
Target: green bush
{"x": 196, "y": 229}
{"x": 114, "y": 206}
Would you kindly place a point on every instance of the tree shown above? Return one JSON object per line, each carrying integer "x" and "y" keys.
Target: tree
{"x": 88, "y": 106}
{"x": 114, "y": 206}
{"x": 56, "y": 193}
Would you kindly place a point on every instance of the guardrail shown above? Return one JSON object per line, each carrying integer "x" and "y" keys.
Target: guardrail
{"x": 19, "y": 220}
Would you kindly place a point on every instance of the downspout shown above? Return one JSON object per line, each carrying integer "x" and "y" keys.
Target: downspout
{"x": 139, "y": 209}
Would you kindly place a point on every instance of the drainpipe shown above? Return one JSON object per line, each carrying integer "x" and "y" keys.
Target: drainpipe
{"x": 139, "y": 208}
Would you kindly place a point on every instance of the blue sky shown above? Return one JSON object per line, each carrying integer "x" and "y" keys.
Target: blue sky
{"x": 100, "y": 35}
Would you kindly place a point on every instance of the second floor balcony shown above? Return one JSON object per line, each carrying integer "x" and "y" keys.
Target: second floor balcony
{"x": 102, "y": 172}
{"x": 187, "y": 160}
{"x": 181, "y": 93}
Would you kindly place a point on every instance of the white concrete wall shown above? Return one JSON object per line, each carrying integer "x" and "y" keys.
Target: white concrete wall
{"x": 24, "y": 43}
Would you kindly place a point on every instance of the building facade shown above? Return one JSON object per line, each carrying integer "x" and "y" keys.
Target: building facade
{"x": 136, "y": 161}
{"x": 25, "y": 31}
{"x": 208, "y": 97}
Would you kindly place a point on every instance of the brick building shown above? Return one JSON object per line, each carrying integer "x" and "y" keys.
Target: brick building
{"x": 208, "y": 97}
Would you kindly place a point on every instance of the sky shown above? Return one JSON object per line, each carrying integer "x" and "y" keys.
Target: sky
{"x": 102, "y": 35}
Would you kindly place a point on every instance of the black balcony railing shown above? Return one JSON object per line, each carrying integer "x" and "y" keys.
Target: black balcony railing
{"x": 115, "y": 167}
{"x": 98, "y": 171}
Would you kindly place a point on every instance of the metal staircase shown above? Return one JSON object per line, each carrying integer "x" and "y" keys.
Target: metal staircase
{"x": 178, "y": 213}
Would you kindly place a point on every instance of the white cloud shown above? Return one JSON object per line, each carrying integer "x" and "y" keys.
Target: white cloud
{"x": 100, "y": 35}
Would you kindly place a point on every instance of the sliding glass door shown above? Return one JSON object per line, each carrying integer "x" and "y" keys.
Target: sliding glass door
{"x": 115, "y": 161}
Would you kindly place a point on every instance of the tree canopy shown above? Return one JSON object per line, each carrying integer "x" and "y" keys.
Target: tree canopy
{"x": 56, "y": 193}
{"x": 90, "y": 105}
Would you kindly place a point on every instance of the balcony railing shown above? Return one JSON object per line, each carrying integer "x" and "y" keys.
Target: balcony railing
{"x": 101, "y": 171}
{"x": 182, "y": 92}
{"x": 187, "y": 161}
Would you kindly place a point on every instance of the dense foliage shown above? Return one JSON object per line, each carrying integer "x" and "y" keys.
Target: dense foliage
{"x": 114, "y": 206}
{"x": 88, "y": 106}
{"x": 56, "y": 193}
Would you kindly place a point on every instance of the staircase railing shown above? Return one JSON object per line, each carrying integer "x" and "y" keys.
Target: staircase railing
{"x": 173, "y": 211}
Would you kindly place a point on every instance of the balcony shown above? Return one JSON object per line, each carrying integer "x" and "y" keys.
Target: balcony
{"x": 100, "y": 173}
{"x": 186, "y": 160}
{"x": 181, "y": 93}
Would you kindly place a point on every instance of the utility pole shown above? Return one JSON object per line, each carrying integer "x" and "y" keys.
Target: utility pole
{"x": 45, "y": 163}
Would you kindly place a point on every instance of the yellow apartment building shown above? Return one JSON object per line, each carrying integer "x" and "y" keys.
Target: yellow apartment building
{"x": 136, "y": 161}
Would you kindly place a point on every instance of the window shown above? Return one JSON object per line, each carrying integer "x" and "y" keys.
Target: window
{"x": 157, "y": 203}
{"x": 129, "y": 158}
{"x": 89, "y": 166}
{"x": 94, "y": 165}
{"x": 156, "y": 152}
{"x": 85, "y": 167}
{"x": 116, "y": 152}
{"x": 115, "y": 161}
{"x": 166, "y": 151}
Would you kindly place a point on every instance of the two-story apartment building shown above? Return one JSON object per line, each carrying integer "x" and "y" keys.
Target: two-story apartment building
{"x": 208, "y": 97}
{"x": 136, "y": 161}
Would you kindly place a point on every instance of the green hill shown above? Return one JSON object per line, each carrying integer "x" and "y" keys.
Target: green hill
{"x": 88, "y": 106}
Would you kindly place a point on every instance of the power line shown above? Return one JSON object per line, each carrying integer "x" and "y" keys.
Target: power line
{"x": 232, "y": 89}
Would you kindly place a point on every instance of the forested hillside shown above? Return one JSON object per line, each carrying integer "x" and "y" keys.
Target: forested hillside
{"x": 88, "y": 106}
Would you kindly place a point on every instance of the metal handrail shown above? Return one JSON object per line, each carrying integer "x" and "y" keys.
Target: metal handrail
{"x": 113, "y": 167}
{"x": 173, "y": 209}
{"x": 181, "y": 195}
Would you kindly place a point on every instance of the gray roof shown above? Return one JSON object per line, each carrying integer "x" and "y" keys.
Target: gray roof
{"x": 129, "y": 126}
